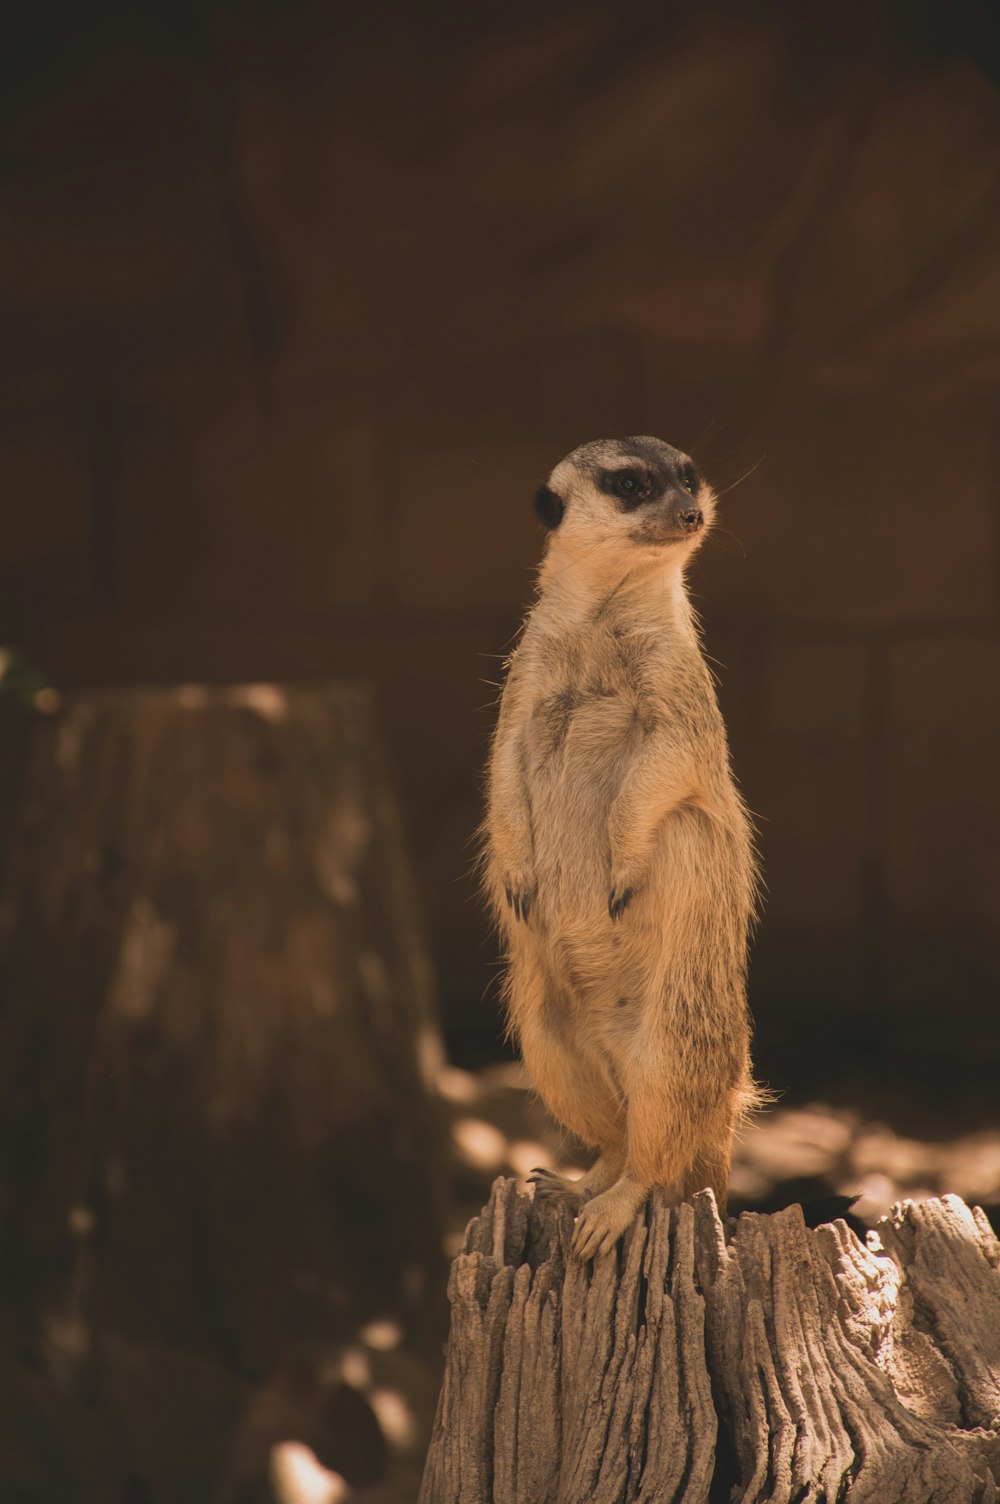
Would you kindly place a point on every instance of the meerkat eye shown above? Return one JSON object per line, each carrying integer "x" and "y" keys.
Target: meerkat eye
{"x": 690, "y": 480}
{"x": 627, "y": 483}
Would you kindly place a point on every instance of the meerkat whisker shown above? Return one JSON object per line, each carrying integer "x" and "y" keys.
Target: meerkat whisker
{"x": 740, "y": 479}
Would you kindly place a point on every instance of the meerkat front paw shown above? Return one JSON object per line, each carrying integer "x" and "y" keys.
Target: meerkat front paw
{"x": 519, "y": 890}
{"x": 603, "y": 1220}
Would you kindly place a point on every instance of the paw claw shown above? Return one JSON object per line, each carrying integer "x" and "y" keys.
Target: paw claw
{"x": 519, "y": 892}
{"x": 552, "y": 1187}
{"x": 603, "y": 1220}
{"x": 618, "y": 901}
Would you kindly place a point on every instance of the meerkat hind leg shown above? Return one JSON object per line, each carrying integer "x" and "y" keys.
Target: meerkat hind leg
{"x": 664, "y": 1136}
{"x": 711, "y": 1172}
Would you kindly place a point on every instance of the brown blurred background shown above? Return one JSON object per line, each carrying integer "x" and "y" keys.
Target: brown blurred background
{"x": 299, "y": 302}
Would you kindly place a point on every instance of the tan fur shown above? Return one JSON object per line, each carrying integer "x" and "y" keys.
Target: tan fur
{"x": 610, "y": 773}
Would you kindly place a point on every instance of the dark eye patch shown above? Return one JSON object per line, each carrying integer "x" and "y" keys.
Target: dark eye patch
{"x": 627, "y": 483}
{"x": 631, "y": 487}
{"x": 690, "y": 479}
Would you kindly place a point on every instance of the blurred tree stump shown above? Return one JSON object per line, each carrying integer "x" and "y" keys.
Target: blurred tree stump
{"x": 216, "y": 1038}
{"x": 766, "y": 1361}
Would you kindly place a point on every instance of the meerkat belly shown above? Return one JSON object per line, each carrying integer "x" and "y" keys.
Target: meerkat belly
{"x": 577, "y": 747}
{"x": 682, "y": 937}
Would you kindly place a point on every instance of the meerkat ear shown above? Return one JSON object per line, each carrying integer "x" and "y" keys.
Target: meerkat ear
{"x": 549, "y": 506}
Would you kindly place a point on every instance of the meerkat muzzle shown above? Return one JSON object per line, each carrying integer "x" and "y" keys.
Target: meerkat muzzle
{"x": 676, "y": 524}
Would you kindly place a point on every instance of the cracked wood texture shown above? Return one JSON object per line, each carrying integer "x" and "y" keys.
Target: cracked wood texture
{"x": 216, "y": 1033}
{"x": 757, "y": 1361}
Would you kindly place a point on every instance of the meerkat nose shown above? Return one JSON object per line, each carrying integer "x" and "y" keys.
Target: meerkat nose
{"x": 692, "y": 521}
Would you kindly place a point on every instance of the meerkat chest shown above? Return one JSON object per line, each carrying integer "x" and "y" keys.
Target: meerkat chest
{"x": 588, "y": 699}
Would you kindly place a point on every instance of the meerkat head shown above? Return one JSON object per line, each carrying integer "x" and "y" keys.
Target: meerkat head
{"x": 636, "y": 498}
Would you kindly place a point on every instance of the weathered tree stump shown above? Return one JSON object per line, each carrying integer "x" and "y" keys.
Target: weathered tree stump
{"x": 763, "y": 1361}
{"x": 216, "y": 1048}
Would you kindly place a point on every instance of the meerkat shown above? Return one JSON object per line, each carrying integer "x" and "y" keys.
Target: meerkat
{"x": 618, "y": 853}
